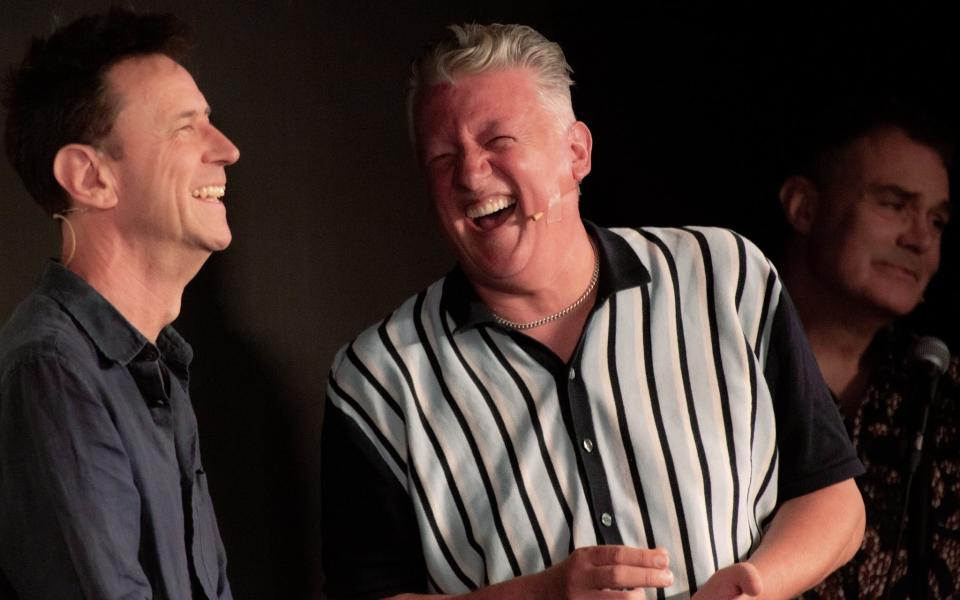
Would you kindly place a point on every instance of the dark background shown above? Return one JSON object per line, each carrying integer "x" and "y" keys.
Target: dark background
{"x": 690, "y": 110}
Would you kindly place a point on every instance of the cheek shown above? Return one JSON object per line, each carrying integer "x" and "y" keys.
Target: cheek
{"x": 444, "y": 211}
{"x": 840, "y": 258}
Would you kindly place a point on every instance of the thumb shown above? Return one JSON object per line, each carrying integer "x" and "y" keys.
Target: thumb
{"x": 748, "y": 579}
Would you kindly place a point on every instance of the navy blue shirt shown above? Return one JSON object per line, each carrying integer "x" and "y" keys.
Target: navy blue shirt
{"x": 102, "y": 491}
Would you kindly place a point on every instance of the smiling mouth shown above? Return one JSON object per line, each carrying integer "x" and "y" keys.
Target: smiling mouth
{"x": 492, "y": 213}
{"x": 902, "y": 271}
{"x": 209, "y": 192}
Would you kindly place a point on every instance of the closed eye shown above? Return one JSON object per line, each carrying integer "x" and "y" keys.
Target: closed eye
{"x": 892, "y": 200}
{"x": 438, "y": 159}
{"x": 500, "y": 141}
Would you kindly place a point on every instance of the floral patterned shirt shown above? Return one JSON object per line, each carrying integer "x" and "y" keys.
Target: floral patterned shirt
{"x": 882, "y": 430}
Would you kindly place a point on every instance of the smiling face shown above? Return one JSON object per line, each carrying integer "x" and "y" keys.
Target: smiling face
{"x": 875, "y": 237}
{"x": 494, "y": 155}
{"x": 167, "y": 158}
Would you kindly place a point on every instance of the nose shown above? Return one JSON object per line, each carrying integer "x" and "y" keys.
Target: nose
{"x": 221, "y": 150}
{"x": 919, "y": 233}
{"x": 473, "y": 166}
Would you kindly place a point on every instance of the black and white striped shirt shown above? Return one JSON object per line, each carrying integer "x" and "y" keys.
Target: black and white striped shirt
{"x": 458, "y": 453}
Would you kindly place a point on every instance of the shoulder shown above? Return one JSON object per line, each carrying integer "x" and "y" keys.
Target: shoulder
{"x": 41, "y": 330}
{"x": 382, "y": 345}
{"x": 681, "y": 240}
{"x": 727, "y": 258}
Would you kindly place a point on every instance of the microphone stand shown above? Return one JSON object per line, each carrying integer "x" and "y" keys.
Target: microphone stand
{"x": 918, "y": 552}
{"x": 915, "y": 455}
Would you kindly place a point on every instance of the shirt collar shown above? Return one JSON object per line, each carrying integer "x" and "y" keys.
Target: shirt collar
{"x": 620, "y": 269}
{"x": 113, "y": 335}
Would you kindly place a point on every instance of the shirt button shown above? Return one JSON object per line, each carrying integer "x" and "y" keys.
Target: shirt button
{"x": 588, "y": 445}
{"x": 606, "y": 519}
{"x": 573, "y": 374}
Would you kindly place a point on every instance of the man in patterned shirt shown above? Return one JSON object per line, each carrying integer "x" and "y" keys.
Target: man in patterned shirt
{"x": 867, "y": 209}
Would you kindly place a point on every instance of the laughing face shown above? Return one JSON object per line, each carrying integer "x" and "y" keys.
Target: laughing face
{"x": 167, "y": 158}
{"x": 878, "y": 224}
{"x": 494, "y": 155}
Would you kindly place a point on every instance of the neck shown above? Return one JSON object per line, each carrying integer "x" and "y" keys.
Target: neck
{"x": 146, "y": 288}
{"x": 553, "y": 285}
{"x": 838, "y": 331}
{"x": 547, "y": 286}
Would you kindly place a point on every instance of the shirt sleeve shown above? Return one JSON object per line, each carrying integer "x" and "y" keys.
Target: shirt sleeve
{"x": 371, "y": 541}
{"x": 69, "y": 505}
{"x": 815, "y": 451}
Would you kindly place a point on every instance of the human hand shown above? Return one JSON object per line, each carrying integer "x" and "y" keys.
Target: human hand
{"x": 595, "y": 569}
{"x": 737, "y": 582}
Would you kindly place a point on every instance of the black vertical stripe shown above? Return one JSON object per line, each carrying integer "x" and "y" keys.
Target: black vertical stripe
{"x": 432, "y": 521}
{"x": 664, "y": 443}
{"x": 511, "y": 455}
{"x": 742, "y": 273}
{"x": 625, "y": 430}
{"x": 765, "y": 310}
{"x": 481, "y": 467}
{"x": 764, "y": 314}
{"x": 741, "y": 281}
{"x": 767, "y": 477}
{"x": 368, "y": 376}
{"x": 753, "y": 424}
{"x": 566, "y": 412}
{"x": 537, "y": 430}
{"x": 441, "y": 459}
{"x": 688, "y": 394}
{"x": 434, "y": 587}
{"x": 401, "y": 464}
{"x": 721, "y": 380}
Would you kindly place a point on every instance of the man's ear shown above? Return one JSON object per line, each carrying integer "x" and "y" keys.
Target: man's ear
{"x": 80, "y": 170}
{"x": 799, "y": 199}
{"x": 581, "y": 144}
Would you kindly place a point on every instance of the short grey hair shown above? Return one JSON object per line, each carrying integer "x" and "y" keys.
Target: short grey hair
{"x": 474, "y": 48}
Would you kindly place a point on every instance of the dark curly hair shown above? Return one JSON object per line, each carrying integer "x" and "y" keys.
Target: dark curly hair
{"x": 58, "y": 95}
{"x": 816, "y": 149}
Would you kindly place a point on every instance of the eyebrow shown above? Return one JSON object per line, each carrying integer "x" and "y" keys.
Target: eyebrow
{"x": 189, "y": 114}
{"x": 893, "y": 188}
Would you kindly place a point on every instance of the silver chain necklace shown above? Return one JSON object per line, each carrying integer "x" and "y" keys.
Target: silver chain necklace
{"x": 562, "y": 312}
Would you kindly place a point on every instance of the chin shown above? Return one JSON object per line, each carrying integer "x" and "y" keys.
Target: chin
{"x": 221, "y": 245}
{"x": 215, "y": 244}
{"x": 896, "y": 307}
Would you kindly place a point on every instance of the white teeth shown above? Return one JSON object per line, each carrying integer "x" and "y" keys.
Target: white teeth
{"x": 489, "y": 207}
{"x": 210, "y": 191}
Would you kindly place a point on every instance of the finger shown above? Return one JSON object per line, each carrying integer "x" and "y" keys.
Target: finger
{"x": 619, "y": 577}
{"x": 628, "y": 555}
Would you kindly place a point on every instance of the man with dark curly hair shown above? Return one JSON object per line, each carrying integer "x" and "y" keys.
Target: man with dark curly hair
{"x": 102, "y": 490}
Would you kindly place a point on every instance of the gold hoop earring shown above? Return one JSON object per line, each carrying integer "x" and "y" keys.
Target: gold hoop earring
{"x": 62, "y": 216}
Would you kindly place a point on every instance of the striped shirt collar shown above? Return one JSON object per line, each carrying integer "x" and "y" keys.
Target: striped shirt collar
{"x": 620, "y": 269}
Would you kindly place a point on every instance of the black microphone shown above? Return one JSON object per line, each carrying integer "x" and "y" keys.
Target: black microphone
{"x": 932, "y": 359}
